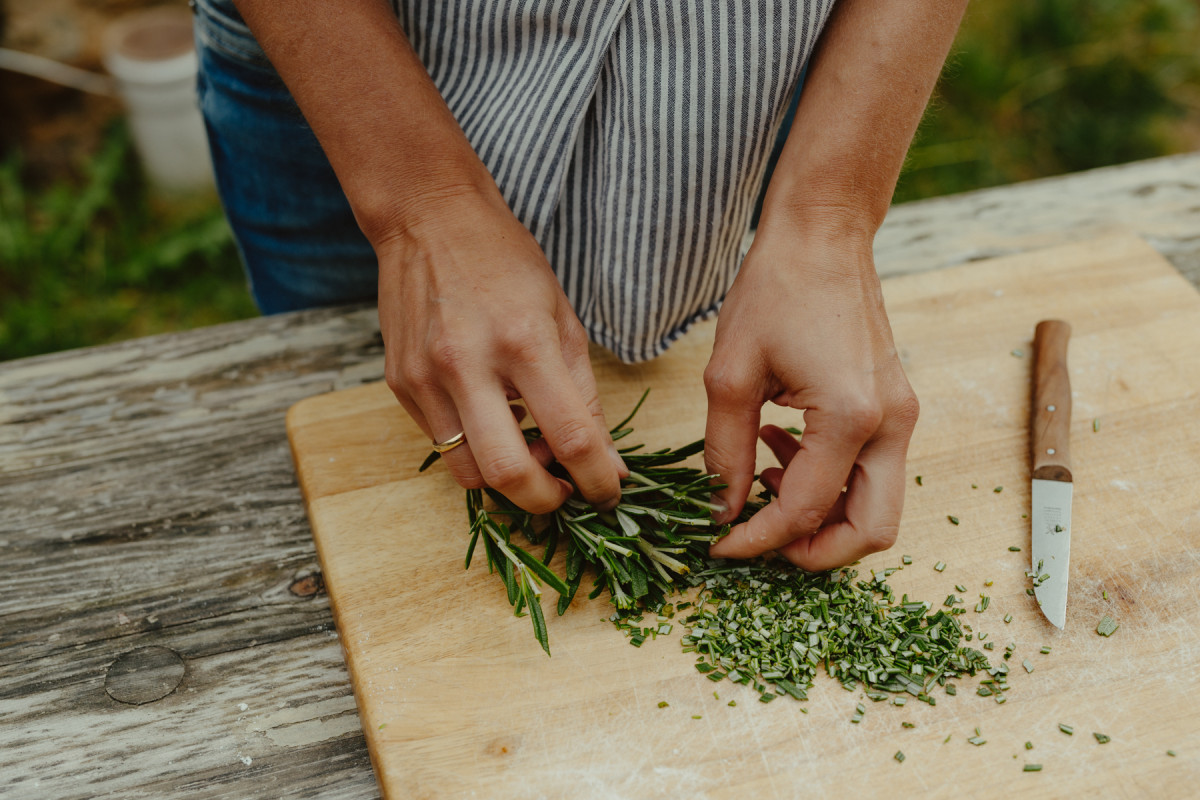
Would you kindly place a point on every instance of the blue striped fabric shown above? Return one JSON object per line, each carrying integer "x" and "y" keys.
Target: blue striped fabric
{"x": 629, "y": 136}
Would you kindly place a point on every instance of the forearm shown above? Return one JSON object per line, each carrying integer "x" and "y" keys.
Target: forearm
{"x": 394, "y": 144}
{"x": 868, "y": 83}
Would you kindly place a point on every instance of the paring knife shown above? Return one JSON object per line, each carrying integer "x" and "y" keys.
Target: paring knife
{"x": 1051, "y": 461}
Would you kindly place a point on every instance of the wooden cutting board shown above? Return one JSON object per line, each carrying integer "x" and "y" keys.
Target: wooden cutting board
{"x": 457, "y": 699}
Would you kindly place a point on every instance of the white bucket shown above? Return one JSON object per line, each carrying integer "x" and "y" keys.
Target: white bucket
{"x": 153, "y": 59}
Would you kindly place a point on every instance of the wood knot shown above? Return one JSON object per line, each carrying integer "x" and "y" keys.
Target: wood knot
{"x": 308, "y": 586}
{"x": 144, "y": 675}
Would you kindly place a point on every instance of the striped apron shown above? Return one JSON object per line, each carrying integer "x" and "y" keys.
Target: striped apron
{"x": 629, "y": 136}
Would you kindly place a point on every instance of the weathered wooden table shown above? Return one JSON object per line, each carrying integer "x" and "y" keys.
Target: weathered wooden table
{"x": 162, "y": 623}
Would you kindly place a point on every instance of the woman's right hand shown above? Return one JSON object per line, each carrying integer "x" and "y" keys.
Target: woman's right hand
{"x": 473, "y": 317}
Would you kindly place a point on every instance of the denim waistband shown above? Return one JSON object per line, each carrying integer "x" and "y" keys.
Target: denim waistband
{"x": 220, "y": 27}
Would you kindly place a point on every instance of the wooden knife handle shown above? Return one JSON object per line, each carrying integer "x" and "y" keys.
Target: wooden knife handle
{"x": 1051, "y": 420}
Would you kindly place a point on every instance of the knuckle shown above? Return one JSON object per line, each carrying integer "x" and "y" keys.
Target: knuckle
{"x": 881, "y": 538}
{"x": 447, "y": 357}
{"x": 804, "y": 521}
{"x": 723, "y": 382}
{"x": 410, "y": 376}
{"x": 906, "y": 411}
{"x": 469, "y": 478}
{"x": 574, "y": 441}
{"x": 525, "y": 339}
{"x": 862, "y": 415}
{"x": 394, "y": 378}
{"x": 506, "y": 472}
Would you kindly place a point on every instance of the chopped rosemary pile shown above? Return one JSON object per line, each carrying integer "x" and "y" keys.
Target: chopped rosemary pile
{"x": 773, "y": 626}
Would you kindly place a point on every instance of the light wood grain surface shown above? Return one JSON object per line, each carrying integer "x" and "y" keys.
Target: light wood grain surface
{"x": 457, "y": 699}
{"x": 147, "y": 499}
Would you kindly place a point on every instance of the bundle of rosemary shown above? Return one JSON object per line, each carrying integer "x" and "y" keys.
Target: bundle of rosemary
{"x": 638, "y": 551}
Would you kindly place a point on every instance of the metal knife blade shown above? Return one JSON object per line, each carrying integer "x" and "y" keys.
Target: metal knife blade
{"x": 1050, "y": 423}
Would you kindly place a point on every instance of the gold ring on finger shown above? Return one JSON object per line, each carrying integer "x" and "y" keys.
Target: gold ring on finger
{"x": 451, "y": 443}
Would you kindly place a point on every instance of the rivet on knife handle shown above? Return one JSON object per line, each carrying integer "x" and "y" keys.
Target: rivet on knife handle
{"x": 1051, "y": 448}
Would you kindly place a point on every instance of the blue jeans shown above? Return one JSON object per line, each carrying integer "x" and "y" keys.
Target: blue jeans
{"x": 297, "y": 236}
{"x": 298, "y": 239}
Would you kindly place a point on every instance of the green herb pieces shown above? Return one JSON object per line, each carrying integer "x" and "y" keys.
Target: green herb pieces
{"x": 1017, "y": 354}
{"x": 1007, "y": 618}
{"x": 1104, "y": 594}
{"x": 697, "y": 716}
{"x": 1067, "y": 729}
{"x": 776, "y": 625}
{"x": 663, "y": 704}
{"x": 731, "y": 703}
{"x": 959, "y": 587}
{"x": 953, "y": 519}
{"x": 1096, "y": 425}
{"x": 906, "y": 560}
{"x": 919, "y": 483}
{"x": 1107, "y": 626}
{"x": 947, "y": 739}
{"x": 899, "y": 756}
{"x": 951, "y": 689}
{"x": 1101, "y": 738}
{"x": 1028, "y": 665}
{"x": 907, "y": 725}
{"x": 998, "y": 489}
{"x": 1171, "y": 753}
{"x": 1014, "y": 549}
{"x": 1033, "y": 768}
{"x": 1036, "y": 576}
{"x": 978, "y": 741}
{"x": 1029, "y": 745}
{"x": 940, "y": 566}
{"x": 1045, "y": 649}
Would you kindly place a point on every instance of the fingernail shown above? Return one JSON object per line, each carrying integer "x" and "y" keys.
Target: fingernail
{"x": 720, "y": 514}
{"x": 618, "y": 462}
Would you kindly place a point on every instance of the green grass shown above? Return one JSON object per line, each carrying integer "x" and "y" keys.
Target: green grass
{"x": 96, "y": 260}
{"x": 1043, "y": 87}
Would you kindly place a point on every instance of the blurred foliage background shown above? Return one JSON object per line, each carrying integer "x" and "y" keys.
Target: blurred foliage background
{"x": 1033, "y": 88}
